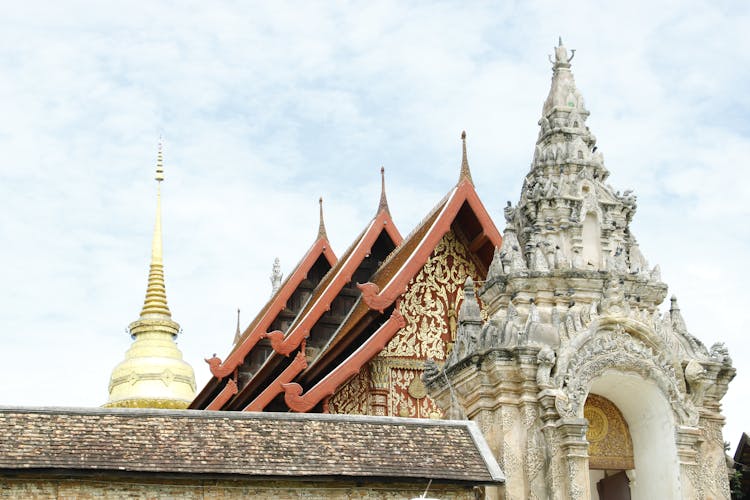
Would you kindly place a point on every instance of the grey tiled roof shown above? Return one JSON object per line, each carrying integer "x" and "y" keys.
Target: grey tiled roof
{"x": 245, "y": 444}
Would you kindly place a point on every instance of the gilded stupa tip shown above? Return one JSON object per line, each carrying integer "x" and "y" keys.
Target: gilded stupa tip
{"x": 322, "y": 225}
{"x": 465, "y": 171}
{"x": 383, "y": 206}
{"x": 155, "y": 303}
{"x": 159, "y": 162}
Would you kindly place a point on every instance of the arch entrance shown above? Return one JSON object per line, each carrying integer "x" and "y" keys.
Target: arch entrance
{"x": 631, "y": 435}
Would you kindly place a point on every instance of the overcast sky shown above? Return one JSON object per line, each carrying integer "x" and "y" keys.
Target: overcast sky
{"x": 266, "y": 107}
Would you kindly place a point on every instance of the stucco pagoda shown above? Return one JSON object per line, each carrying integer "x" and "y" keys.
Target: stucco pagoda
{"x": 582, "y": 388}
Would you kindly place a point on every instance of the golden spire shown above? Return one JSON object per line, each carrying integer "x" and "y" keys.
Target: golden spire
{"x": 153, "y": 374}
{"x": 465, "y": 172}
{"x": 156, "y": 291}
{"x": 322, "y": 226}
{"x": 383, "y": 200}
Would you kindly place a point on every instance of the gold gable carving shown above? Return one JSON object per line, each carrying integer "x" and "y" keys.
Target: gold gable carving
{"x": 352, "y": 397}
{"x": 431, "y": 302}
{"x": 610, "y": 446}
{"x": 430, "y": 308}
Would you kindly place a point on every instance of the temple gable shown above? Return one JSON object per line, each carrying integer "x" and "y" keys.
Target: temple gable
{"x": 391, "y": 383}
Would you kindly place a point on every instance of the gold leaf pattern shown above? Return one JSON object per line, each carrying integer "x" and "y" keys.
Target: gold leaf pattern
{"x": 353, "y": 396}
{"x": 402, "y": 404}
{"x": 430, "y": 308}
{"x": 610, "y": 446}
{"x": 432, "y": 300}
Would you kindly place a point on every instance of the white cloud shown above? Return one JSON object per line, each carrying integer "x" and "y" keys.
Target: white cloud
{"x": 265, "y": 108}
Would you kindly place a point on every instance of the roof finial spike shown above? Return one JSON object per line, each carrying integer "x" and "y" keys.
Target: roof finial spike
{"x": 159, "y": 162}
{"x": 322, "y": 226}
{"x": 237, "y": 333}
{"x": 465, "y": 172}
{"x": 156, "y": 294}
{"x": 383, "y": 206}
{"x": 561, "y": 56}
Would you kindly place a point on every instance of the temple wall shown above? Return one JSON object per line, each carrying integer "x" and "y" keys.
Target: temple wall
{"x": 99, "y": 488}
{"x": 540, "y": 440}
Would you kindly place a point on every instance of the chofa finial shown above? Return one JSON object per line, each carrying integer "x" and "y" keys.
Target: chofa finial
{"x": 237, "y": 332}
{"x": 465, "y": 172}
{"x": 322, "y": 225}
{"x": 383, "y": 205}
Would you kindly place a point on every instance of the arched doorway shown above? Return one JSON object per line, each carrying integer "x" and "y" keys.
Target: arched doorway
{"x": 651, "y": 426}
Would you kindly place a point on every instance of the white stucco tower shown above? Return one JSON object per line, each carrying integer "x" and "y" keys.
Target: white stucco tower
{"x": 580, "y": 385}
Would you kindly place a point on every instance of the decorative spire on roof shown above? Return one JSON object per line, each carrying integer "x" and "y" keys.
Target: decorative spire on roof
{"x": 238, "y": 333}
{"x": 383, "y": 206}
{"x": 465, "y": 172}
{"x": 469, "y": 325}
{"x": 156, "y": 293}
{"x": 153, "y": 374}
{"x": 276, "y": 275}
{"x": 322, "y": 226}
{"x": 568, "y": 216}
{"x": 678, "y": 322}
{"x": 563, "y": 95}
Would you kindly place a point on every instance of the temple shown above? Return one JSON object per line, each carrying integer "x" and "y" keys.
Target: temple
{"x": 582, "y": 388}
{"x": 384, "y": 308}
{"x": 549, "y": 337}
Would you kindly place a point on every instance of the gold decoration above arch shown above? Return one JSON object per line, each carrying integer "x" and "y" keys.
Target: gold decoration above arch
{"x": 610, "y": 446}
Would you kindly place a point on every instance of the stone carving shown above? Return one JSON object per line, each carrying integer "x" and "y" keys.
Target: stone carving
{"x": 540, "y": 333}
{"x": 720, "y": 354}
{"x": 469, "y": 325}
{"x": 571, "y": 298}
{"x": 697, "y": 381}
{"x": 510, "y": 253}
{"x": 614, "y": 299}
{"x": 615, "y": 349}
{"x": 496, "y": 266}
{"x": 276, "y": 276}
{"x": 546, "y": 359}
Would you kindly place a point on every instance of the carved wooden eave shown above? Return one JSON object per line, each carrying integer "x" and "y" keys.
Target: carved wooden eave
{"x": 258, "y": 328}
{"x": 393, "y": 278}
{"x": 339, "y": 276}
{"x": 483, "y": 240}
{"x": 320, "y": 302}
{"x": 229, "y": 390}
{"x": 293, "y": 392}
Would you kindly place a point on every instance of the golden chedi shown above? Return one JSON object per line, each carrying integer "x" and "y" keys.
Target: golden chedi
{"x": 153, "y": 374}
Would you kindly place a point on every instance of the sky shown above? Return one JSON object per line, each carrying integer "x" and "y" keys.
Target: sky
{"x": 264, "y": 107}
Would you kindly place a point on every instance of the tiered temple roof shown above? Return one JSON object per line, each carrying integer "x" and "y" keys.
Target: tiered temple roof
{"x": 252, "y": 348}
{"x": 354, "y": 310}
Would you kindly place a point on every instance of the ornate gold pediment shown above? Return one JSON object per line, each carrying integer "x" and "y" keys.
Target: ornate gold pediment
{"x": 610, "y": 446}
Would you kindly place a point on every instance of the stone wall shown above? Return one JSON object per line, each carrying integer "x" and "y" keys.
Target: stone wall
{"x": 155, "y": 489}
